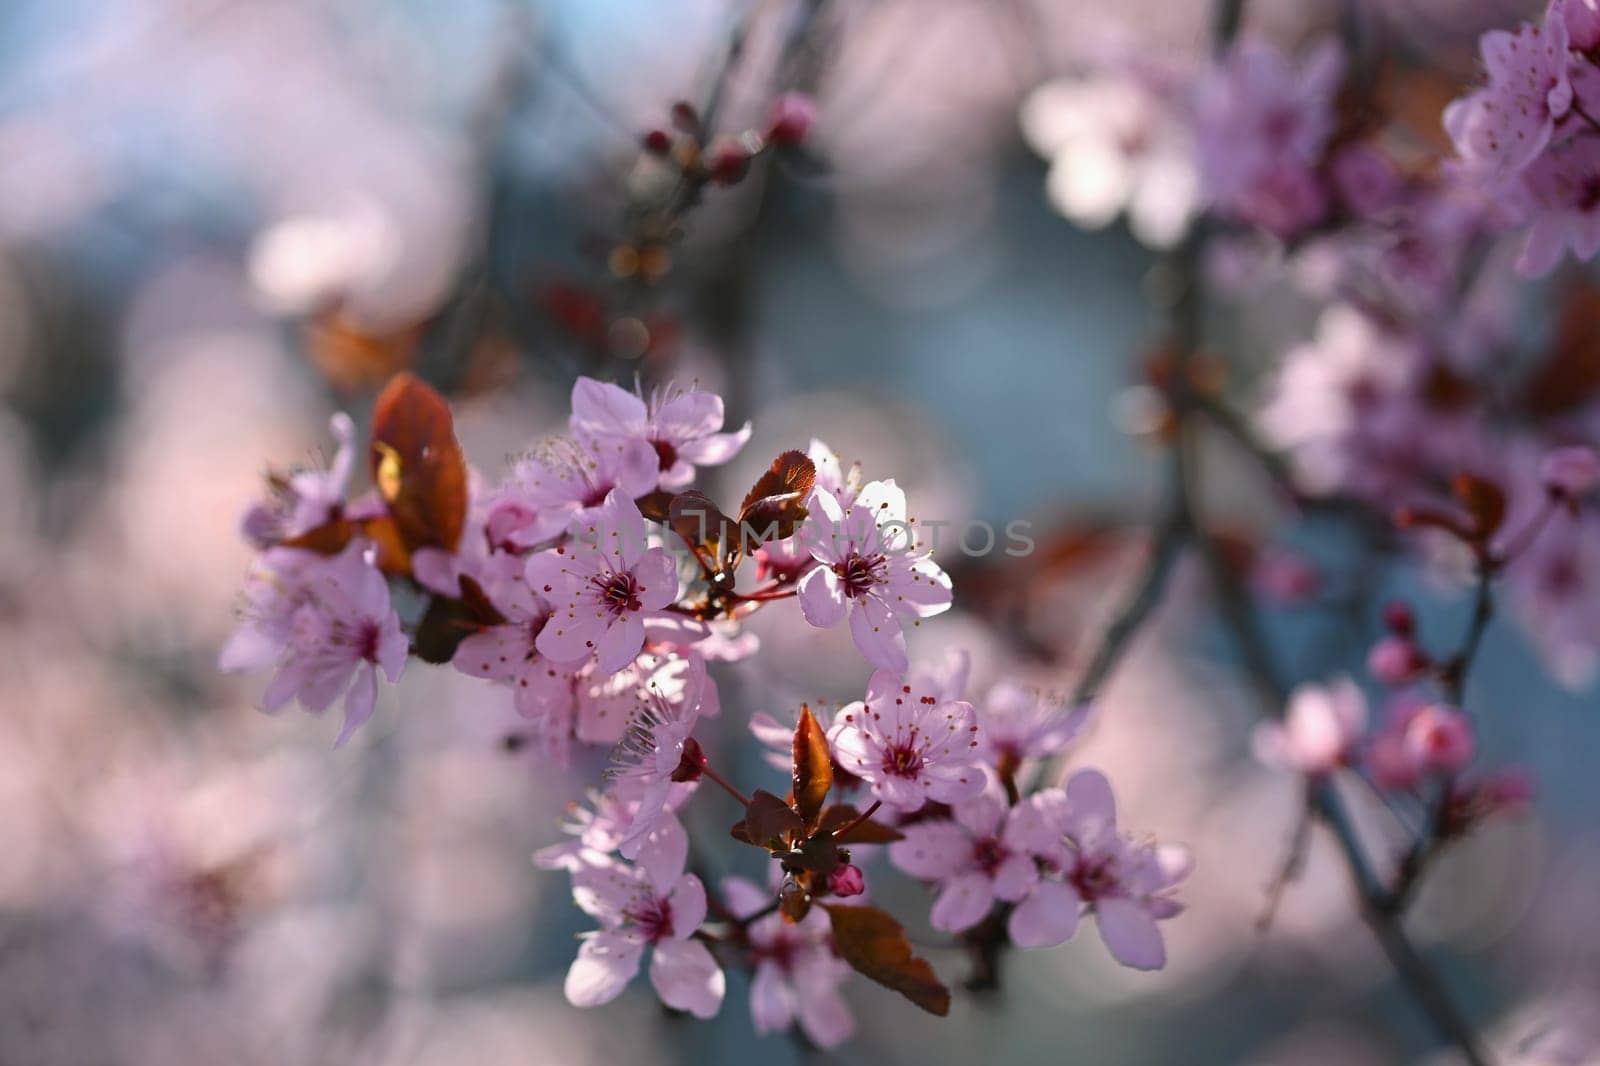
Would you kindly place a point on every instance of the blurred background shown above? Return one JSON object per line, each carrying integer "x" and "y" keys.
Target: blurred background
{"x": 223, "y": 220}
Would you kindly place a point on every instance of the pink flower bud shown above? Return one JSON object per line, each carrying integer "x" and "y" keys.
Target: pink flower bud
{"x": 1440, "y": 739}
{"x": 1395, "y": 660}
{"x": 791, "y": 118}
{"x": 658, "y": 142}
{"x": 847, "y": 880}
{"x": 1571, "y": 472}
{"x": 1398, "y": 619}
{"x": 727, "y": 161}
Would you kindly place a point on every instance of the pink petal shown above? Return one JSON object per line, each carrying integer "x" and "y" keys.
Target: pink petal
{"x": 822, "y": 599}
{"x": 877, "y": 634}
{"x": 771, "y": 999}
{"x": 359, "y": 701}
{"x": 662, "y": 855}
{"x": 963, "y": 903}
{"x": 657, "y": 575}
{"x": 931, "y": 850}
{"x": 686, "y": 977}
{"x": 688, "y": 900}
{"x": 1049, "y": 916}
{"x": 715, "y": 448}
{"x": 619, "y": 645}
{"x": 1130, "y": 933}
{"x": 605, "y": 964}
{"x": 606, "y": 408}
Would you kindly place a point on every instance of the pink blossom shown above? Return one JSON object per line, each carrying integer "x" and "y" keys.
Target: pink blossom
{"x": 508, "y": 654}
{"x": 1126, "y": 884}
{"x": 791, "y": 118}
{"x": 910, "y": 745}
{"x": 1503, "y": 127}
{"x": 1020, "y": 723}
{"x": 1440, "y": 739}
{"x": 1571, "y": 472}
{"x": 984, "y": 852}
{"x": 305, "y": 499}
{"x": 871, "y": 571}
{"x": 797, "y": 976}
{"x": 681, "y": 429}
{"x": 651, "y": 752}
{"x": 1562, "y": 193}
{"x": 1262, "y": 124}
{"x": 1319, "y": 731}
{"x": 654, "y": 904}
{"x": 564, "y": 483}
{"x": 598, "y": 827}
{"x": 602, "y": 588}
{"x": 327, "y": 624}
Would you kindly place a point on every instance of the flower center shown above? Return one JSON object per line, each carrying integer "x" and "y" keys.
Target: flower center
{"x": 619, "y": 592}
{"x": 666, "y": 452}
{"x": 652, "y": 917}
{"x": 859, "y": 573}
{"x": 1093, "y": 878}
{"x": 902, "y": 760}
{"x": 988, "y": 853}
{"x": 366, "y": 642}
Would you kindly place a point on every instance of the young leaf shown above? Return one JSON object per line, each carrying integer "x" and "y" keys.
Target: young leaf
{"x": 840, "y": 815}
{"x": 768, "y": 819}
{"x": 776, "y": 505}
{"x": 873, "y": 943}
{"x": 418, "y": 465}
{"x": 699, "y": 522}
{"x": 813, "y": 767}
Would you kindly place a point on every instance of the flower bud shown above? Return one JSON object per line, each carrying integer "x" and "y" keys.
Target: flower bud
{"x": 1571, "y": 472}
{"x": 791, "y": 118}
{"x": 1440, "y": 738}
{"x": 657, "y": 142}
{"x": 1398, "y": 619}
{"x": 847, "y": 880}
{"x": 1395, "y": 660}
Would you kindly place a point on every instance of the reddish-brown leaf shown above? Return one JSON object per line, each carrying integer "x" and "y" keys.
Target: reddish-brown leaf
{"x": 695, "y": 518}
{"x": 1484, "y": 500}
{"x": 768, "y": 822}
{"x": 447, "y": 622}
{"x": 873, "y": 943}
{"x": 776, "y": 505}
{"x": 329, "y": 538}
{"x": 840, "y": 815}
{"x": 813, "y": 767}
{"x": 418, "y": 465}
{"x": 394, "y": 558}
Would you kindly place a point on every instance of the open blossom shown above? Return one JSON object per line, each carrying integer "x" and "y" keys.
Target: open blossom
{"x": 305, "y": 499}
{"x": 653, "y": 904}
{"x": 681, "y": 429}
{"x": 327, "y": 624}
{"x": 602, "y": 587}
{"x": 1262, "y": 124}
{"x": 1117, "y": 142}
{"x": 872, "y": 572}
{"x": 1126, "y": 884}
{"x": 982, "y": 853}
{"x": 1021, "y": 723}
{"x": 1503, "y": 127}
{"x": 1561, "y": 194}
{"x": 910, "y": 745}
{"x": 564, "y": 483}
{"x": 1320, "y": 730}
{"x": 647, "y": 761}
{"x": 797, "y": 976}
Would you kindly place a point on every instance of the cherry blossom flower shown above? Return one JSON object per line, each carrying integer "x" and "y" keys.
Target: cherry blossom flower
{"x": 1019, "y": 724}
{"x": 1319, "y": 732}
{"x": 564, "y": 483}
{"x": 648, "y": 759}
{"x": 1396, "y": 660}
{"x": 305, "y": 499}
{"x": 982, "y": 853}
{"x": 508, "y": 654}
{"x": 597, "y": 828}
{"x": 797, "y": 976}
{"x": 1503, "y": 127}
{"x": 328, "y": 625}
{"x": 650, "y": 904}
{"x": 1126, "y": 884}
{"x": 909, "y": 745}
{"x": 1262, "y": 124}
{"x": 1116, "y": 142}
{"x": 602, "y": 589}
{"x": 871, "y": 570}
{"x": 681, "y": 429}
{"x": 1562, "y": 193}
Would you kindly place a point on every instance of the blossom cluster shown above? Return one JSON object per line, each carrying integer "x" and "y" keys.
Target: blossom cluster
{"x": 595, "y": 590}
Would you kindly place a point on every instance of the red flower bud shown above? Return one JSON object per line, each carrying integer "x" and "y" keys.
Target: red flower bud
{"x": 847, "y": 880}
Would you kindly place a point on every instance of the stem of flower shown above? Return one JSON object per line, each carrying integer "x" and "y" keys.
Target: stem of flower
{"x": 856, "y": 822}
{"x": 724, "y": 783}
